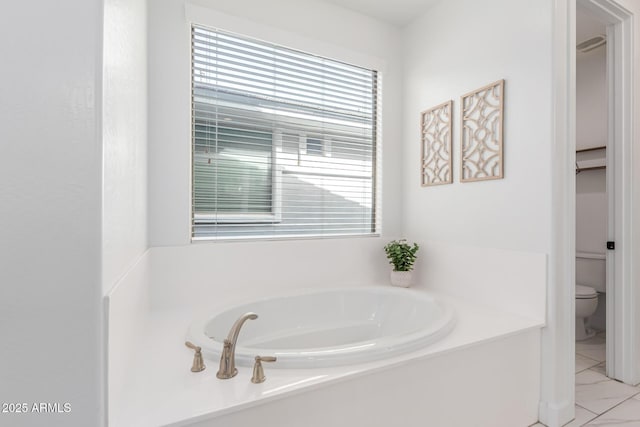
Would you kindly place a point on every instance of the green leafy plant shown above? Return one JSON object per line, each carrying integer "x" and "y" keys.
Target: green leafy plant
{"x": 401, "y": 255}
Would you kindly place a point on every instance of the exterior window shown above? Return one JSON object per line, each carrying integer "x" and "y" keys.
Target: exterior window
{"x": 240, "y": 182}
{"x": 284, "y": 142}
{"x": 314, "y": 146}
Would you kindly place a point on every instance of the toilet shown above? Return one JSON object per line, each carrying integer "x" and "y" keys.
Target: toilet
{"x": 590, "y": 279}
{"x": 591, "y": 233}
{"x": 586, "y": 304}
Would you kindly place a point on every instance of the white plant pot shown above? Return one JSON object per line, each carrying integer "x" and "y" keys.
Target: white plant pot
{"x": 401, "y": 278}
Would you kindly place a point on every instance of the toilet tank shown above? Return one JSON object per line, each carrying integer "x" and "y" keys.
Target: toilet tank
{"x": 591, "y": 271}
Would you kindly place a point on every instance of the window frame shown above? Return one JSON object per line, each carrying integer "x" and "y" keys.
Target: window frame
{"x": 278, "y": 169}
{"x": 274, "y": 217}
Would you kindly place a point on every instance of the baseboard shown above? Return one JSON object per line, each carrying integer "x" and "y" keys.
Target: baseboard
{"x": 556, "y": 415}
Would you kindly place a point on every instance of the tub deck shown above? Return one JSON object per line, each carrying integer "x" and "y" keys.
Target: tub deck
{"x": 160, "y": 390}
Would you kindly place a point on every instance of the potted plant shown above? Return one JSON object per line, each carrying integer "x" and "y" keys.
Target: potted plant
{"x": 401, "y": 255}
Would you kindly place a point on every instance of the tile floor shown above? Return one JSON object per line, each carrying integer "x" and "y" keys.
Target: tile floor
{"x": 601, "y": 401}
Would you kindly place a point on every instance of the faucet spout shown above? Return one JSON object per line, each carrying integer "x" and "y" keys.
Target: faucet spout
{"x": 235, "y": 329}
{"x": 227, "y": 359}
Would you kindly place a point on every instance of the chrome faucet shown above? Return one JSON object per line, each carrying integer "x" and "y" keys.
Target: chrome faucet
{"x": 227, "y": 359}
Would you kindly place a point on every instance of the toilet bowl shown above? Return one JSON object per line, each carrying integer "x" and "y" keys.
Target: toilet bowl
{"x": 586, "y": 304}
{"x": 590, "y": 279}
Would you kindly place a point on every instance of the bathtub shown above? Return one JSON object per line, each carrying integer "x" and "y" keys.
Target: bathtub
{"x": 484, "y": 373}
{"x": 322, "y": 328}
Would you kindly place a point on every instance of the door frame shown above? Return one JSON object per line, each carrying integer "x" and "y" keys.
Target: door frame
{"x": 621, "y": 329}
{"x": 557, "y": 393}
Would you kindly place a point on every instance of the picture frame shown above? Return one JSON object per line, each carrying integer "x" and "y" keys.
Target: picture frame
{"x": 482, "y": 133}
{"x": 435, "y": 145}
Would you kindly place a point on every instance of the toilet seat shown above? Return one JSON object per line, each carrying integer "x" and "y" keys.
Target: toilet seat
{"x": 585, "y": 292}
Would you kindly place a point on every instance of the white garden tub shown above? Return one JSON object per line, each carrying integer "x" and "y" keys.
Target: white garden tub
{"x": 328, "y": 327}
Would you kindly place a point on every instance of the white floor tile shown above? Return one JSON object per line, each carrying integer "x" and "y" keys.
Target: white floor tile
{"x": 597, "y": 393}
{"x": 583, "y": 416}
{"x": 593, "y": 348}
{"x": 583, "y": 363}
{"x": 600, "y": 368}
{"x": 626, "y": 414}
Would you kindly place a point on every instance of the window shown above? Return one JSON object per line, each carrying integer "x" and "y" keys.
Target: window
{"x": 314, "y": 146}
{"x": 284, "y": 142}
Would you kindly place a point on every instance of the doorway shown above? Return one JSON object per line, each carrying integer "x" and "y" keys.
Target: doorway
{"x": 558, "y": 339}
{"x": 621, "y": 341}
{"x": 592, "y": 198}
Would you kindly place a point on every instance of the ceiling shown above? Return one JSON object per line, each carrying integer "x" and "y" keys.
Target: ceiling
{"x": 401, "y": 12}
{"x": 395, "y": 12}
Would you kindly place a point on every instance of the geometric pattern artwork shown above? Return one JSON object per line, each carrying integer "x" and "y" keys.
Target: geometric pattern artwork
{"x": 482, "y": 114}
{"x": 435, "y": 128}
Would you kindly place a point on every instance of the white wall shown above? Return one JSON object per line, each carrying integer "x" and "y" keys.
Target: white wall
{"x": 592, "y": 181}
{"x": 124, "y": 227}
{"x": 591, "y": 116}
{"x": 591, "y": 99}
{"x": 128, "y": 310}
{"x": 311, "y": 26}
{"x": 124, "y": 191}
{"x": 205, "y": 276}
{"x": 456, "y": 47}
{"x": 50, "y": 185}
{"x": 591, "y": 131}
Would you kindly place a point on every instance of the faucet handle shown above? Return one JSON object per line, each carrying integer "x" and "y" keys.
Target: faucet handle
{"x": 258, "y": 370}
{"x": 198, "y": 363}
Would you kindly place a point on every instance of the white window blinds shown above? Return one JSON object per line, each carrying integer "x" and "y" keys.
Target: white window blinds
{"x": 284, "y": 143}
